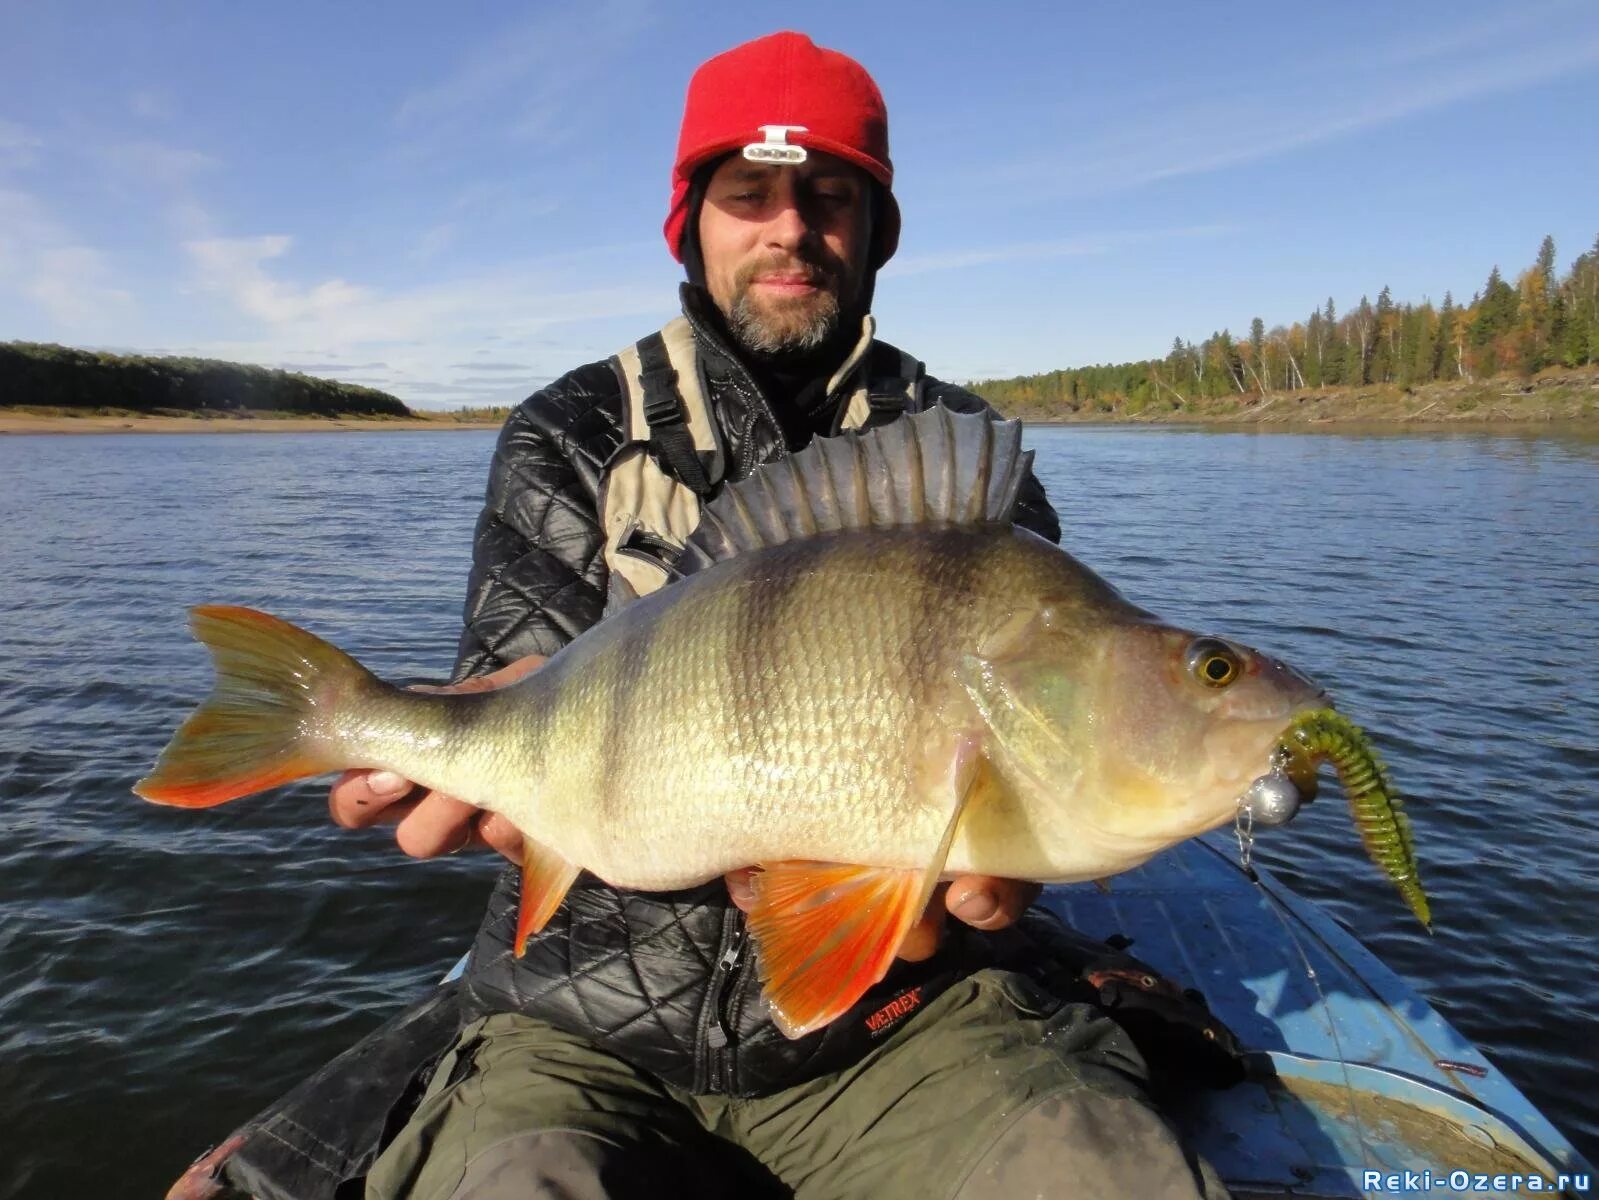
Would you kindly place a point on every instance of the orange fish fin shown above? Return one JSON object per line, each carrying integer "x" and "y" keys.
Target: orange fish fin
{"x": 546, "y": 878}
{"x": 249, "y": 735}
{"x": 828, "y": 931}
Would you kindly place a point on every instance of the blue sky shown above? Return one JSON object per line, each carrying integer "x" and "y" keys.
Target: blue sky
{"x": 456, "y": 203}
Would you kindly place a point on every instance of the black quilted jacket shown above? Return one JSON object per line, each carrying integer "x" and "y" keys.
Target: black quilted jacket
{"x": 662, "y": 980}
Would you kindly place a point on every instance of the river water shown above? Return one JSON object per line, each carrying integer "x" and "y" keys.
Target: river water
{"x": 163, "y": 974}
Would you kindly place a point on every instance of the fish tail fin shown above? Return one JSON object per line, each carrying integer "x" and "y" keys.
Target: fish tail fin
{"x": 266, "y": 720}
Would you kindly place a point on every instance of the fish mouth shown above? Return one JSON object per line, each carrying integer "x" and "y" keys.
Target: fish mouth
{"x": 1321, "y": 735}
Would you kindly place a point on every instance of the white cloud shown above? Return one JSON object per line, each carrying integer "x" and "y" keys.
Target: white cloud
{"x": 1077, "y": 247}
{"x": 17, "y": 145}
{"x": 156, "y": 163}
{"x": 151, "y": 105}
{"x": 233, "y": 267}
{"x": 433, "y": 242}
{"x": 72, "y": 283}
{"x": 49, "y": 271}
{"x": 1278, "y": 115}
{"x": 424, "y": 336}
{"x": 526, "y": 76}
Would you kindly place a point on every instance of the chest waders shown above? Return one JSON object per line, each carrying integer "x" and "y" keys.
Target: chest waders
{"x": 673, "y": 455}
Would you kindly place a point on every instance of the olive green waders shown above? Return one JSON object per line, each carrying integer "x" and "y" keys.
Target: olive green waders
{"x": 995, "y": 1090}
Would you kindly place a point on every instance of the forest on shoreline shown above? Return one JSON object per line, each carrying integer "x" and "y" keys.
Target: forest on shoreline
{"x": 1521, "y": 351}
{"x": 1542, "y": 322}
{"x": 43, "y": 376}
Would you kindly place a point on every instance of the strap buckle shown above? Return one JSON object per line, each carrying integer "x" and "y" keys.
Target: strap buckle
{"x": 662, "y": 404}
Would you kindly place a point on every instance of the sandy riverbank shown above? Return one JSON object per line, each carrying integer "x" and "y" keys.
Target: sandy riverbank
{"x": 25, "y": 423}
{"x": 1567, "y": 397}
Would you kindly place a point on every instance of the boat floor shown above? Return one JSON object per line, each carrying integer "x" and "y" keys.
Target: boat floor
{"x": 1351, "y": 1070}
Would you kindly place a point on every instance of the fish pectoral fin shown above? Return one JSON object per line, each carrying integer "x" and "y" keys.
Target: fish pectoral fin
{"x": 1103, "y": 885}
{"x": 828, "y": 931}
{"x": 546, "y": 878}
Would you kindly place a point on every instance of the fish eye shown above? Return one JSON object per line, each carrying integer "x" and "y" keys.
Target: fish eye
{"x": 1213, "y": 663}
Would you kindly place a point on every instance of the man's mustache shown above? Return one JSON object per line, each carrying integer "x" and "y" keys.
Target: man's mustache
{"x": 815, "y": 271}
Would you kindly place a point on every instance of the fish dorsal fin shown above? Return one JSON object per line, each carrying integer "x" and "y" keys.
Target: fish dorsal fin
{"x": 936, "y": 467}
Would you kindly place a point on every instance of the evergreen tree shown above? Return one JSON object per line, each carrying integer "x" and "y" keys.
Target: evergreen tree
{"x": 1257, "y": 354}
{"x": 1421, "y": 363}
{"x": 1332, "y": 366}
{"x": 1546, "y": 265}
{"x": 1495, "y": 319}
{"x": 1357, "y": 359}
{"x": 1543, "y": 319}
{"x": 1446, "y": 361}
{"x": 1315, "y": 340}
{"x": 1382, "y": 356}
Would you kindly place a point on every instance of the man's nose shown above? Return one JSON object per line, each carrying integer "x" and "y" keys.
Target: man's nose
{"x": 788, "y": 226}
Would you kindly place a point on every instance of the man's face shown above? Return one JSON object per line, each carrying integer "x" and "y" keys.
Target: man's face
{"x": 785, "y": 247}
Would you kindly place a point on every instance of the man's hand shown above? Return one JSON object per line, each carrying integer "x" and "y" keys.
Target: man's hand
{"x": 982, "y": 901}
{"x": 429, "y": 823}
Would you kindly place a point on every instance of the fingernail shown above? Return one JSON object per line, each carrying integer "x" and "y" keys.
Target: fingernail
{"x": 976, "y": 906}
{"x": 386, "y": 783}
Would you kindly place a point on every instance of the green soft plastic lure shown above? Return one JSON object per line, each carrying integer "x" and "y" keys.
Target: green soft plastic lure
{"x": 1326, "y": 735}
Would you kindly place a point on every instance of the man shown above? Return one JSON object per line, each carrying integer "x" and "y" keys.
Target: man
{"x": 628, "y": 1053}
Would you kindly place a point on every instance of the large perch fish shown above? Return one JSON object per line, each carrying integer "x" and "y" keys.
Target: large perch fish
{"x": 866, "y": 679}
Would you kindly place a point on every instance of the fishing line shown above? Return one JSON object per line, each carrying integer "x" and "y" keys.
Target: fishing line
{"x": 1244, "y": 830}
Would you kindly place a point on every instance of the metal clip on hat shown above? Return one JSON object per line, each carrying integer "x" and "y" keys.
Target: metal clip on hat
{"x": 776, "y": 147}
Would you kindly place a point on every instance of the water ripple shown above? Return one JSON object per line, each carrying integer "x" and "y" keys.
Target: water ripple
{"x": 167, "y": 973}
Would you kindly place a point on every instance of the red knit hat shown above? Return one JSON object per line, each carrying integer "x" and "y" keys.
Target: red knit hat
{"x": 784, "y": 90}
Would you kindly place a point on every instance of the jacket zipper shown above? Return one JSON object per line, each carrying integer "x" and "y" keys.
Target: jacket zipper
{"x": 763, "y": 406}
{"x": 719, "y": 1036}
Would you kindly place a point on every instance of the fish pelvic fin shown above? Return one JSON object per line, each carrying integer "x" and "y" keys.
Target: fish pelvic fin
{"x": 266, "y": 720}
{"x": 828, "y": 931}
{"x": 936, "y": 467}
{"x": 546, "y": 878}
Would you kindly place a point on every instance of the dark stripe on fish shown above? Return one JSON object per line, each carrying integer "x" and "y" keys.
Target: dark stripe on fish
{"x": 763, "y": 602}
{"x": 628, "y": 692}
{"x": 945, "y": 583}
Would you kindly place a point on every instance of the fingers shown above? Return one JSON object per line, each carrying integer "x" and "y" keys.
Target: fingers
{"x": 428, "y": 824}
{"x": 359, "y": 799}
{"x": 741, "y": 887}
{"x": 985, "y": 902}
{"x": 439, "y": 824}
{"x": 493, "y": 681}
{"x": 925, "y": 937}
{"x": 499, "y": 833}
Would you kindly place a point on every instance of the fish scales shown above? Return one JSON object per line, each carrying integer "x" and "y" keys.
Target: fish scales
{"x": 790, "y": 695}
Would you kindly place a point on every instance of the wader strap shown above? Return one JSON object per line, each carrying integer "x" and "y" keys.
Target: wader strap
{"x": 671, "y": 454}
{"x": 890, "y": 384}
{"x": 666, "y": 417}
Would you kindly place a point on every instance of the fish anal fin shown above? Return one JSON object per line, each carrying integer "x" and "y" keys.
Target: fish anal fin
{"x": 546, "y": 878}
{"x": 828, "y": 931}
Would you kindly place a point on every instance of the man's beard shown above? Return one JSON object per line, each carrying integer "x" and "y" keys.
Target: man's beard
{"x": 785, "y": 324}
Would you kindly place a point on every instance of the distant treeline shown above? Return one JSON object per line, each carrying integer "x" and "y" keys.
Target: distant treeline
{"x": 60, "y": 377}
{"x": 1542, "y": 320}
